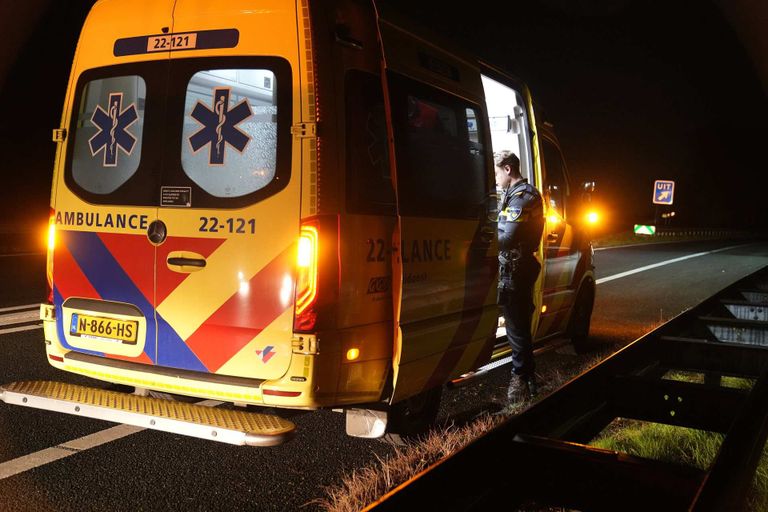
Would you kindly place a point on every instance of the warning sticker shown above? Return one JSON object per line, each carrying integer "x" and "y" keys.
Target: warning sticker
{"x": 180, "y": 197}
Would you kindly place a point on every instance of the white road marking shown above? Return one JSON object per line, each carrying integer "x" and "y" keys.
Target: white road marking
{"x": 662, "y": 263}
{"x": 48, "y": 455}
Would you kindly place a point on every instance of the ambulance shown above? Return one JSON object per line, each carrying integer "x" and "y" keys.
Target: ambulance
{"x": 285, "y": 204}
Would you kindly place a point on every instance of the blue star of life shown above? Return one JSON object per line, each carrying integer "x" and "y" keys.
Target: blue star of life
{"x": 220, "y": 126}
{"x": 113, "y": 129}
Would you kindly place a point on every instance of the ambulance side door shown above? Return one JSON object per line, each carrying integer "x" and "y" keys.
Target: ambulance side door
{"x": 561, "y": 254}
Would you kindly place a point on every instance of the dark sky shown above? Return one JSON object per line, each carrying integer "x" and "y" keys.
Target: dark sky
{"x": 638, "y": 90}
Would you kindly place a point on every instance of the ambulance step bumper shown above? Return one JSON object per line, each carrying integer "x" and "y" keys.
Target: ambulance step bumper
{"x": 222, "y": 425}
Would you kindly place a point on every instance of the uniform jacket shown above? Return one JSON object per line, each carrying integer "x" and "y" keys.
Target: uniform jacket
{"x": 520, "y": 226}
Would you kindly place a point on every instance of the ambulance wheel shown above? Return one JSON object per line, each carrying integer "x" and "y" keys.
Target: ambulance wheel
{"x": 578, "y": 328}
{"x": 413, "y": 416}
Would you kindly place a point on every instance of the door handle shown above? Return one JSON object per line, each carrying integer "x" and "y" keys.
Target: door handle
{"x": 185, "y": 261}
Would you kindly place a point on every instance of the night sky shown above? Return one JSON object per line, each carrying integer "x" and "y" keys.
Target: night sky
{"x": 637, "y": 90}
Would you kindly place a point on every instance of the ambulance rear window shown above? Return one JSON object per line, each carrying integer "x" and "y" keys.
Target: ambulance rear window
{"x": 108, "y": 133}
{"x": 229, "y": 146}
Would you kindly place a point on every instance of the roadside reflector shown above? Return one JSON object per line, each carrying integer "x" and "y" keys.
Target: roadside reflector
{"x": 275, "y": 392}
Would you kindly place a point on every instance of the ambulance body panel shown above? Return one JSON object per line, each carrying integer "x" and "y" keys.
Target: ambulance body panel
{"x": 211, "y": 296}
{"x": 284, "y": 203}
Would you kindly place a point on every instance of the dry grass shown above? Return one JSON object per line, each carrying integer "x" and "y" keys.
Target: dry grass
{"x": 366, "y": 485}
{"x": 370, "y": 483}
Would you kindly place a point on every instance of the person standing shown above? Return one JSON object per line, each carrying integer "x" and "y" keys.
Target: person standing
{"x": 520, "y": 227}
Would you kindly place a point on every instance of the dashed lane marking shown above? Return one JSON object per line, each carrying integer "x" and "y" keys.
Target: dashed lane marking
{"x": 81, "y": 444}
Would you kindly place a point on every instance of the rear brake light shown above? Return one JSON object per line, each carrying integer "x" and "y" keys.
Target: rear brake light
{"x": 306, "y": 279}
{"x": 49, "y": 257}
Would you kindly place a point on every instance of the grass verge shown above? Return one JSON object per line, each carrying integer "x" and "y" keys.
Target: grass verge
{"x": 648, "y": 440}
{"x": 679, "y": 445}
{"x": 367, "y": 485}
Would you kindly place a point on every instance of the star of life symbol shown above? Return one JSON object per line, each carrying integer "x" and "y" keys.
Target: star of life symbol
{"x": 113, "y": 129}
{"x": 220, "y": 126}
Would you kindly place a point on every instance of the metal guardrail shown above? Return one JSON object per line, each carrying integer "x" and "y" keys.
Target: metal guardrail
{"x": 540, "y": 457}
{"x": 702, "y": 232}
{"x": 15, "y": 242}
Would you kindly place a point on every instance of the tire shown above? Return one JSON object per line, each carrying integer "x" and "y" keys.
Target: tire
{"x": 413, "y": 416}
{"x": 578, "y": 326}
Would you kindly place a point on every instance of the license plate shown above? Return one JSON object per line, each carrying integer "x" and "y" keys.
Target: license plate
{"x": 107, "y": 329}
{"x": 172, "y": 42}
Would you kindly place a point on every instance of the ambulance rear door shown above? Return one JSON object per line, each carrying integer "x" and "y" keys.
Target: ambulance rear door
{"x": 105, "y": 200}
{"x": 229, "y": 199}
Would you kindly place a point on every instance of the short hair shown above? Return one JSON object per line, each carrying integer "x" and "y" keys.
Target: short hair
{"x": 507, "y": 157}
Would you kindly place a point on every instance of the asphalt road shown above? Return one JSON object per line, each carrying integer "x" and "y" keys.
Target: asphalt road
{"x": 150, "y": 470}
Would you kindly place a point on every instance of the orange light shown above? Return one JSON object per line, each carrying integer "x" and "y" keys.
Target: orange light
{"x": 306, "y": 283}
{"x": 544, "y": 308}
{"x": 49, "y": 255}
{"x": 353, "y": 354}
{"x": 51, "y": 233}
{"x": 593, "y": 217}
{"x": 553, "y": 218}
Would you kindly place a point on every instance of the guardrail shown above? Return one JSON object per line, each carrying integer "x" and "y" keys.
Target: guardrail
{"x": 541, "y": 457}
{"x": 15, "y": 242}
{"x": 702, "y": 232}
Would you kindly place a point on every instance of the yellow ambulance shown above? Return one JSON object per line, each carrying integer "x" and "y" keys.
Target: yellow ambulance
{"x": 284, "y": 203}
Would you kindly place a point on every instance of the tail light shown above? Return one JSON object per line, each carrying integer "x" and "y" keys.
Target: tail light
{"x": 51, "y": 248}
{"x": 318, "y": 274}
{"x": 307, "y": 278}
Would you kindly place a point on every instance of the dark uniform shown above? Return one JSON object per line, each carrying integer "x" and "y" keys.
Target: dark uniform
{"x": 521, "y": 223}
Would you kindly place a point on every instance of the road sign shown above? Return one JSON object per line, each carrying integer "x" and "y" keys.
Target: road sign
{"x": 644, "y": 230}
{"x": 663, "y": 191}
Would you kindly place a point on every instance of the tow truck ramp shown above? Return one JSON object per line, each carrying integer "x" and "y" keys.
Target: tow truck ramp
{"x": 540, "y": 458}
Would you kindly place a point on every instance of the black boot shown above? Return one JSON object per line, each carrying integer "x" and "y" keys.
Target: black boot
{"x": 519, "y": 389}
{"x": 533, "y": 387}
